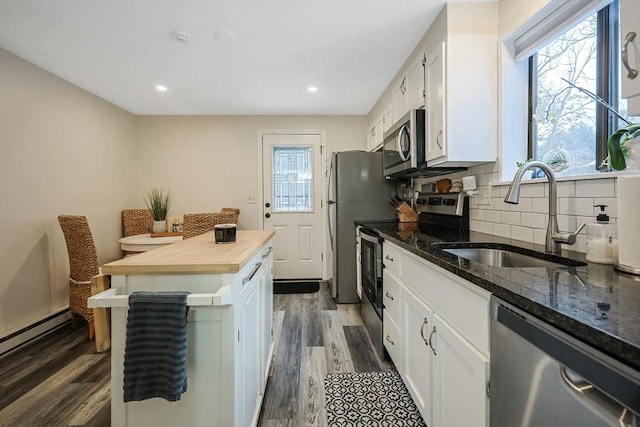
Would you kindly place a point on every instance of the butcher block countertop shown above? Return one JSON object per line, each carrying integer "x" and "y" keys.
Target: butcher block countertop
{"x": 198, "y": 254}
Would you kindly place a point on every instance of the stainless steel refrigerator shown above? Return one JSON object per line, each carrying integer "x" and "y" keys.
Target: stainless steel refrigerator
{"x": 357, "y": 191}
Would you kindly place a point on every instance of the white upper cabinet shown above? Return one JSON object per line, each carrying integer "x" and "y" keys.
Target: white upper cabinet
{"x": 630, "y": 44}
{"x": 462, "y": 88}
{"x": 408, "y": 91}
{"x": 387, "y": 118}
{"x": 374, "y": 134}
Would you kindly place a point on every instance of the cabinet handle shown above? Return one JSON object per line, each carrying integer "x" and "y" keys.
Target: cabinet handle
{"x": 438, "y": 138}
{"x": 268, "y": 252}
{"x": 433, "y": 331}
{"x": 253, "y": 273}
{"x": 390, "y": 296}
{"x": 389, "y": 339}
{"x": 425, "y": 323}
{"x": 631, "y": 73}
{"x": 388, "y": 258}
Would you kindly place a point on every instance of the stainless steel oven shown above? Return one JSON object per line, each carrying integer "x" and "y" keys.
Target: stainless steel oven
{"x": 403, "y": 146}
{"x": 371, "y": 271}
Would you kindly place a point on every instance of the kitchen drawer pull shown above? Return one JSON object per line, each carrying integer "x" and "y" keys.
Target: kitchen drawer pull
{"x": 388, "y": 258}
{"x": 631, "y": 73}
{"x": 433, "y": 331}
{"x": 390, "y": 296}
{"x": 253, "y": 273}
{"x": 425, "y": 323}
{"x": 268, "y": 253}
{"x": 389, "y": 339}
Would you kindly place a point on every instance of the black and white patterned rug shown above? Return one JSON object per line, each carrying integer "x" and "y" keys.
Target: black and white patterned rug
{"x": 369, "y": 399}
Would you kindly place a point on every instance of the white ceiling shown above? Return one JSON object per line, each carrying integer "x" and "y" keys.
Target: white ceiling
{"x": 121, "y": 49}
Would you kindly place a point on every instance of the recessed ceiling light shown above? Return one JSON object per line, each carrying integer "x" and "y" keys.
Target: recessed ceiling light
{"x": 225, "y": 35}
{"x": 312, "y": 89}
{"x": 161, "y": 88}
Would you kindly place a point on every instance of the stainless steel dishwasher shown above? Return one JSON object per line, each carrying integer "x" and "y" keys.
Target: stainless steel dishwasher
{"x": 542, "y": 377}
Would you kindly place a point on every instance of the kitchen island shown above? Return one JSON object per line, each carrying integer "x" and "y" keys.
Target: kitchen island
{"x": 229, "y": 347}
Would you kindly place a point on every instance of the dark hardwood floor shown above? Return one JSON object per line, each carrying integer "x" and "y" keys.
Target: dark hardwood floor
{"x": 59, "y": 380}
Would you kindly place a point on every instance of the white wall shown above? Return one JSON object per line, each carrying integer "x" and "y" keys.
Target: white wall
{"x": 210, "y": 162}
{"x": 64, "y": 151}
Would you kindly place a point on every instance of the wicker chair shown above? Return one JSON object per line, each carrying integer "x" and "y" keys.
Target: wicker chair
{"x": 83, "y": 265}
{"x": 198, "y": 223}
{"x": 136, "y": 221}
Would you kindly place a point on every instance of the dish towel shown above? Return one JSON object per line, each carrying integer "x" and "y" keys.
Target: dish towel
{"x": 155, "y": 355}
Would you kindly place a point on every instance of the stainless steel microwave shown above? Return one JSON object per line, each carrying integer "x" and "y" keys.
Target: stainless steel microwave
{"x": 403, "y": 146}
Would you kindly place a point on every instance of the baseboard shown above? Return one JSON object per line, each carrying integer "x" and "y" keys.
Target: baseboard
{"x": 17, "y": 339}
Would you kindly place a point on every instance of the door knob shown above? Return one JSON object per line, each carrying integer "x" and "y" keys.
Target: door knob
{"x": 267, "y": 215}
{"x": 267, "y": 205}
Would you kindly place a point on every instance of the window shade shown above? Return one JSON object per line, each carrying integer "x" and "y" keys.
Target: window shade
{"x": 552, "y": 20}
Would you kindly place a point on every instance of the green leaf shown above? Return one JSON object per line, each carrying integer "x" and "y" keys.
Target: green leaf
{"x": 616, "y": 155}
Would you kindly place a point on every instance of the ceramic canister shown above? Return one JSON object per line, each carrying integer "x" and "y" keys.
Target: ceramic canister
{"x": 225, "y": 233}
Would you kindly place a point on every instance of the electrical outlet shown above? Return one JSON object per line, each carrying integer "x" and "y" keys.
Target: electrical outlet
{"x": 483, "y": 198}
{"x": 251, "y": 199}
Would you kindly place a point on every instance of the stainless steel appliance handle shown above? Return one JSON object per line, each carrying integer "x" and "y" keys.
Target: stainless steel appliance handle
{"x": 330, "y": 203}
{"x": 402, "y": 130}
{"x": 364, "y": 235}
{"x": 631, "y": 72}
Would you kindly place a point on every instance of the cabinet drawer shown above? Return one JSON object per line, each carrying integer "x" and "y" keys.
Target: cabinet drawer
{"x": 391, "y": 259}
{"x": 391, "y": 297}
{"x": 393, "y": 341}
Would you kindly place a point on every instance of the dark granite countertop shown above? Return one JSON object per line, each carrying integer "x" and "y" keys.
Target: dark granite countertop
{"x": 593, "y": 303}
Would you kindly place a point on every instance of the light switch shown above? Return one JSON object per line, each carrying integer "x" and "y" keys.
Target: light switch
{"x": 251, "y": 200}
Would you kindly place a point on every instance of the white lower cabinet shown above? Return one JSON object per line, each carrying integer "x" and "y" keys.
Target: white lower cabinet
{"x": 443, "y": 360}
{"x": 249, "y": 342}
{"x": 460, "y": 380}
{"x": 417, "y": 357}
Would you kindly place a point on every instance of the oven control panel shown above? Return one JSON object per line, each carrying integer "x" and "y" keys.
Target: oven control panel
{"x": 441, "y": 203}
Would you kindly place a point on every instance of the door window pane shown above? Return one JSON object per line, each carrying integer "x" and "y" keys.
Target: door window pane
{"x": 292, "y": 172}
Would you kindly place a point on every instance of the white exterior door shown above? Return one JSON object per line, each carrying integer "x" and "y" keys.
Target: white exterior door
{"x": 292, "y": 203}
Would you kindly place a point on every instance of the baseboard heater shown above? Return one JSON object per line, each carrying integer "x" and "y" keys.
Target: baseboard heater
{"x": 18, "y": 338}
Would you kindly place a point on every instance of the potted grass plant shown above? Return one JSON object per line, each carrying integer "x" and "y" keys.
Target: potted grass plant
{"x": 158, "y": 201}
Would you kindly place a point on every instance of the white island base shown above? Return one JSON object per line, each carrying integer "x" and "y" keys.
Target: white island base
{"x": 229, "y": 330}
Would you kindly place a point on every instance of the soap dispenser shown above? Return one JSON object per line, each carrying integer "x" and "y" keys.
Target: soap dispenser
{"x": 602, "y": 240}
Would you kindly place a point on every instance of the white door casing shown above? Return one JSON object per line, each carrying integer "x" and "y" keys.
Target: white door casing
{"x": 292, "y": 202}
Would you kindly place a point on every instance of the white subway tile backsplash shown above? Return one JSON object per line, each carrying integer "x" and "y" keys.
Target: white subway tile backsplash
{"x": 527, "y": 221}
{"x": 533, "y": 220}
{"x": 540, "y": 205}
{"x": 539, "y": 236}
{"x": 484, "y": 179}
{"x": 565, "y": 189}
{"x": 502, "y": 230}
{"x": 595, "y": 188}
{"x": 473, "y": 225}
{"x": 532, "y": 190}
{"x": 485, "y": 227}
{"x": 493, "y": 216}
{"x": 567, "y": 223}
{"x": 512, "y": 218}
{"x": 523, "y": 234}
{"x": 498, "y": 204}
{"x": 523, "y": 205}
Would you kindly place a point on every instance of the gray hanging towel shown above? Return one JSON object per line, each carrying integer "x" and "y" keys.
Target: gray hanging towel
{"x": 155, "y": 355}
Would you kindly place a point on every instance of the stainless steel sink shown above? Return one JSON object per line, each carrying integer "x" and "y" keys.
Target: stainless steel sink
{"x": 508, "y": 256}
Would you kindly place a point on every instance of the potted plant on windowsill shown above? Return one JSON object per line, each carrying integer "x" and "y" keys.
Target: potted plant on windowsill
{"x": 158, "y": 201}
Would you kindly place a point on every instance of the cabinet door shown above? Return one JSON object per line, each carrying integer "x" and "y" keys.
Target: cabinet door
{"x": 266, "y": 320}
{"x": 435, "y": 104}
{"x": 399, "y": 99}
{"x": 387, "y": 118}
{"x": 460, "y": 378}
{"x": 250, "y": 355}
{"x": 415, "y": 84}
{"x": 417, "y": 325}
{"x": 630, "y": 23}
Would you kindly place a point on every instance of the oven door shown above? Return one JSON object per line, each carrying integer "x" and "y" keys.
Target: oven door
{"x": 371, "y": 269}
